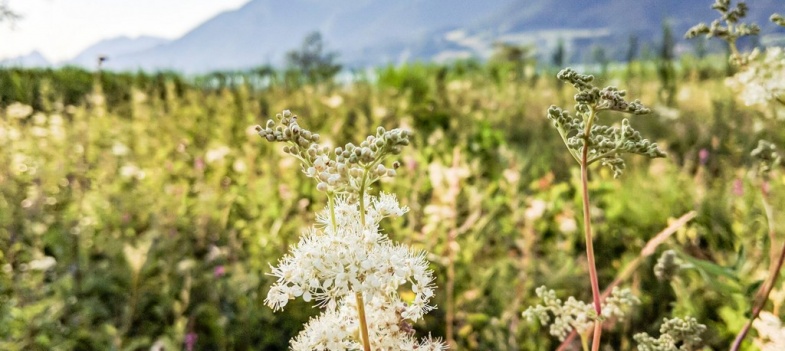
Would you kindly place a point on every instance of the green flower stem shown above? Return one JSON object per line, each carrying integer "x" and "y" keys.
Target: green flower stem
{"x": 600, "y": 157}
{"x": 331, "y": 204}
{"x": 774, "y": 271}
{"x": 362, "y": 196}
{"x": 595, "y": 286}
{"x": 564, "y": 139}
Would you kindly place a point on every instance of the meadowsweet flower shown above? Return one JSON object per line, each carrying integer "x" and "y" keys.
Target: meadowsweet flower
{"x": 344, "y": 261}
{"x": 535, "y": 210}
{"x": 329, "y": 265}
{"x": 336, "y": 329}
{"x": 216, "y": 154}
{"x": 771, "y": 333}
{"x": 676, "y": 331}
{"x": 762, "y": 80}
{"x": 18, "y": 110}
{"x": 564, "y": 316}
{"x": 43, "y": 264}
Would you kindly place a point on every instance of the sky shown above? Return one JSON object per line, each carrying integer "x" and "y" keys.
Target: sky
{"x": 60, "y": 29}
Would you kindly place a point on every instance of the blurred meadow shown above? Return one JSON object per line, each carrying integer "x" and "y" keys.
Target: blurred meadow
{"x": 141, "y": 211}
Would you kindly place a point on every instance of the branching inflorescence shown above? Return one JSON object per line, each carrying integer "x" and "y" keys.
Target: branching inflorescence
{"x": 676, "y": 334}
{"x": 727, "y": 27}
{"x": 564, "y": 316}
{"x": 589, "y": 142}
{"x": 345, "y": 263}
{"x": 606, "y": 144}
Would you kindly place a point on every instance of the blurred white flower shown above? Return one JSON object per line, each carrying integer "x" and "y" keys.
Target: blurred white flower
{"x": 567, "y": 224}
{"x": 18, "y": 110}
{"x": 771, "y": 334}
{"x": 535, "y": 210}
{"x": 132, "y": 171}
{"x": 39, "y": 132}
{"x": 334, "y": 101}
{"x": 216, "y": 154}
{"x": 42, "y": 264}
{"x": 239, "y": 166}
{"x": 762, "y": 80}
{"x": 119, "y": 149}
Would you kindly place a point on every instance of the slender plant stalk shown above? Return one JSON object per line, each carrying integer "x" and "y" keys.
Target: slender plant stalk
{"x": 774, "y": 271}
{"x": 359, "y": 295}
{"x": 331, "y": 204}
{"x": 450, "y": 289}
{"x": 363, "y": 322}
{"x": 452, "y": 235}
{"x": 631, "y": 267}
{"x": 595, "y": 286}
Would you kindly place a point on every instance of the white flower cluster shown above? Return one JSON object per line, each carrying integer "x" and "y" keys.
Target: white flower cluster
{"x": 676, "y": 334}
{"x": 333, "y": 262}
{"x": 574, "y": 314}
{"x": 762, "y": 80}
{"x": 337, "y": 329}
{"x": 771, "y": 333}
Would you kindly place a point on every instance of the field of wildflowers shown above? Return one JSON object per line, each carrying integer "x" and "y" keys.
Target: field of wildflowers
{"x": 468, "y": 206}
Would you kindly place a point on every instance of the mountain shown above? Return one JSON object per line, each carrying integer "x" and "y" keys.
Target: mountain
{"x": 33, "y": 59}
{"x": 373, "y": 32}
{"x": 263, "y": 30}
{"x": 114, "y": 47}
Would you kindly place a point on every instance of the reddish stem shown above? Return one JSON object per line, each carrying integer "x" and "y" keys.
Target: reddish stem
{"x": 774, "y": 271}
{"x": 595, "y": 285}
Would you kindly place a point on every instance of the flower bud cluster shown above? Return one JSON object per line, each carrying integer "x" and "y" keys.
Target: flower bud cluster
{"x": 606, "y": 143}
{"x": 731, "y": 30}
{"x": 676, "y": 334}
{"x": 668, "y": 265}
{"x": 608, "y": 98}
{"x": 575, "y": 314}
{"x": 767, "y": 156}
{"x": 777, "y": 19}
{"x": 344, "y": 169}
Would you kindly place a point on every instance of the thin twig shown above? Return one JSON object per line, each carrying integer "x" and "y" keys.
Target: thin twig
{"x": 774, "y": 271}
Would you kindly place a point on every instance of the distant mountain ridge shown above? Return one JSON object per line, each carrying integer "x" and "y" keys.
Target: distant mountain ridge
{"x": 33, "y": 59}
{"x": 114, "y": 47}
{"x": 373, "y": 32}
